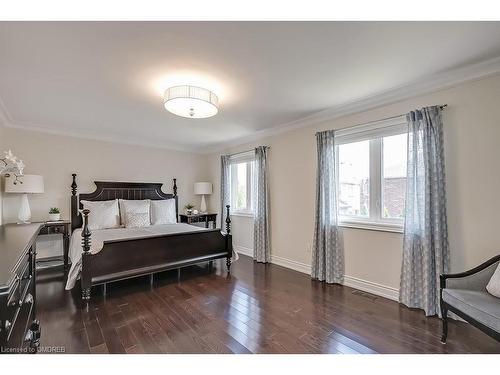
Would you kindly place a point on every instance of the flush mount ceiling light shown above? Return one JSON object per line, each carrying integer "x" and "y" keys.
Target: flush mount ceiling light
{"x": 191, "y": 101}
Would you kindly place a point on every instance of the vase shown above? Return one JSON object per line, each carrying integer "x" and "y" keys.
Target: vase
{"x": 54, "y": 217}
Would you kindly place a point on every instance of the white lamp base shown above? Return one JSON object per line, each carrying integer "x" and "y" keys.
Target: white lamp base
{"x": 203, "y": 205}
{"x": 24, "y": 215}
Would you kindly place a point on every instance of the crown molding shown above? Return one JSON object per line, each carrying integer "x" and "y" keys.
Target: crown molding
{"x": 7, "y": 121}
{"x": 433, "y": 83}
{"x": 103, "y": 138}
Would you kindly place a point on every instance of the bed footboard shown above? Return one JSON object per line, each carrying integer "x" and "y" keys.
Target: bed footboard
{"x": 124, "y": 259}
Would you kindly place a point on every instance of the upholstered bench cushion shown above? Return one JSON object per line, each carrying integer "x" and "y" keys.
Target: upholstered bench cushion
{"x": 479, "y": 305}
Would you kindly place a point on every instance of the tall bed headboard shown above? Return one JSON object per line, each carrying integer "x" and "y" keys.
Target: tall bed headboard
{"x": 107, "y": 190}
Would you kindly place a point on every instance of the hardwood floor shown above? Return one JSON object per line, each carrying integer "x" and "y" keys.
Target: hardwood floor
{"x": 258, "y": 309}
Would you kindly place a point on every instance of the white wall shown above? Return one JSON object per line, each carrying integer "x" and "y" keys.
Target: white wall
{"x": 56, "y": 157}
{"x": 472, "y": 135}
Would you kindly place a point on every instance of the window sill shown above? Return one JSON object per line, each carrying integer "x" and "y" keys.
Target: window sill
{"x": 380, "y": 227}
{"x": 242, "y": 214}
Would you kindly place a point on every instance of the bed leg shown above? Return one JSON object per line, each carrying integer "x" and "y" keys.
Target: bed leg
{"x": 210, "y": 266}
{"x": 151, "y": 280}
{"x": 104, "y": 290}
{"x": 86, "y": 295}
{"x": 228, "y": 264}
{"x": 178, "y": 274}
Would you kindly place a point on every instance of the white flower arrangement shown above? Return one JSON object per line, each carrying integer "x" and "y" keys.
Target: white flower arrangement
{"x": 11, "y": 164}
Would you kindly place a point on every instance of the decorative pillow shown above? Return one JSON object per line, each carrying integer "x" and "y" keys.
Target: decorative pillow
{"x": 138, "y": 220}
{"x": 493, "y": 286}
{"x": 103, "y": 214}
{"x": 163, "y": 212}
{"x": 128, "y": 207}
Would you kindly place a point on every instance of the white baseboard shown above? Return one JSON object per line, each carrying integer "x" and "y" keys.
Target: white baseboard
{"x": 292, "y": 264}
{"x": 350, "y": 281}
{"x": 244, "y": 250}
{"x": 280, "y": 261}
{"x": 371, "y": 287}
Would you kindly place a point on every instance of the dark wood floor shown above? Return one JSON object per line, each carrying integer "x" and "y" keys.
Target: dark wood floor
{"x": 258, "y": 309}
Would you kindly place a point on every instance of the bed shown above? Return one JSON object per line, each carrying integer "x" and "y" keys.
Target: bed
{"x": 110, "y": 255}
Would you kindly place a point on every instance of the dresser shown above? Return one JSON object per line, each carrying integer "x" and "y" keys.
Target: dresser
{"x": 19, "y": 327}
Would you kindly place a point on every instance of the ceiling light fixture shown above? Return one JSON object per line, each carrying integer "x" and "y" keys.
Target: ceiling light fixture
{"x": 191, "y": 101}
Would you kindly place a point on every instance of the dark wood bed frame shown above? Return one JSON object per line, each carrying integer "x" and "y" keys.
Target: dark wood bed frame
{"x": 124, "y": 259}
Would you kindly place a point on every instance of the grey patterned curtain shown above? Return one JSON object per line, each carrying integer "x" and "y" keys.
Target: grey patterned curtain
{"x": 261, "y": 232}
{"x": 225, "y": 187}
{"x": 327, "y": 251}
{"x": 425, "y": 246}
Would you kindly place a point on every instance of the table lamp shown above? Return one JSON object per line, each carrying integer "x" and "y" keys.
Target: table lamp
{"x": 24, "y": 184}
{"x": 203, "y": 188}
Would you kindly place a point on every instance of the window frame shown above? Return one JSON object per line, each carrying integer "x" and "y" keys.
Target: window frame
{"x": 245, "y": 157}
{"x": 374, "y": 132}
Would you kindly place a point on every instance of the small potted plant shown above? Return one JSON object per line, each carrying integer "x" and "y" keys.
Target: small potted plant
{"x": 54, "y": 214}
{"x": 189, "y": 208}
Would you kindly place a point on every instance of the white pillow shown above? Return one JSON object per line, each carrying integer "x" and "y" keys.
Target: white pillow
{"x": 138, "y": 220}
{"x": 128, "y": 207}
{"x": 493, "y": 286}
{"x": 103, "y": 214}
{"x": 163, "y": 212}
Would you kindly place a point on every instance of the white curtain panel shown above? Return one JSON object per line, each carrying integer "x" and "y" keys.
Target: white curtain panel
{"x": 261, "y": 231}
{"x": 425, "y": 245}
{"x": 327, "y": 251}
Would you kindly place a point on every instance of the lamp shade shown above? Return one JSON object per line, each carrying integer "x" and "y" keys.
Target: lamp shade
{"x": 191, "y": 101}
{"x": 27, "y": 183}
{"x": 203, "y": 188}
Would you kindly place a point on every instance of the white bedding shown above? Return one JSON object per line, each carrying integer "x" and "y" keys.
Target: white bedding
{"x": 99, "y": 237}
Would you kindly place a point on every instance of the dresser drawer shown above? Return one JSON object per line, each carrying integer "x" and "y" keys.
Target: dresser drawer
{"x": 21, "y": 322}
{"x": 19, "y": 328}
{"x": 22, "y": 278}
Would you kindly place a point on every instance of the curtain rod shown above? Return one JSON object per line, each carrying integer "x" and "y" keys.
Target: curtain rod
{"x": 244, "y": 152}
{"x": 443, "y": 106}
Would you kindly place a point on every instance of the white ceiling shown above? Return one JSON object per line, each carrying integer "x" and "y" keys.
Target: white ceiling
{"x": 104, "y": 80}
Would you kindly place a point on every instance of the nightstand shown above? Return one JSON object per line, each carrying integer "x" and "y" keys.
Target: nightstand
{"x": 199, "y": 218}
{"x": 57, "y": 227}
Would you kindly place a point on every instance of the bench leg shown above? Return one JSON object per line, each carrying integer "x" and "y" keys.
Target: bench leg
{"x": 444, "y": 320}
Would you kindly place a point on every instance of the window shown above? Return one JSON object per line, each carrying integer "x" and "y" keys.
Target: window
{"x": 242, "y": 167}
{"x": 354, "y": 179}
{"x": 394, "y": 176}
{"x": 371, "y": 175}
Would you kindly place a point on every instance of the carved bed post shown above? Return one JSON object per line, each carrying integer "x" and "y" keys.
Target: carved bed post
{"x": 176, "y": 200}
{"x": 86, "y": 276}
{"x": 229, "y": 242}
{"x": 74, "y": 204}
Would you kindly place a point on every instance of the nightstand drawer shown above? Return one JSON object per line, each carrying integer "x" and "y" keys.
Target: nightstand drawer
{"x": 53, "y": 229}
